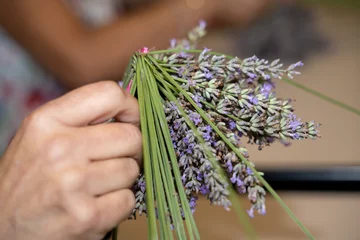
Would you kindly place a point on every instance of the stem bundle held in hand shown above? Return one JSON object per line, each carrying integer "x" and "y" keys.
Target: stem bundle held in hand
{"x": 197, "y": 110}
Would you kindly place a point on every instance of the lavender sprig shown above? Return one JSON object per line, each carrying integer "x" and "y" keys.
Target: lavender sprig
{"x": 206, "y": 108}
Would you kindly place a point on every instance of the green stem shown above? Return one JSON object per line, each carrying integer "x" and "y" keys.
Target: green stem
{"x": 150, "y": 202}
{"x": 323, "y": 96}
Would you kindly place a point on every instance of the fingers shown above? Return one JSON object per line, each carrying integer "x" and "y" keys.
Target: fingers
{"x": 114, "y": 208}
{"x": 111, "y": 175}
{"x": 94, "y": 103}
{"x": 111, "y": 140}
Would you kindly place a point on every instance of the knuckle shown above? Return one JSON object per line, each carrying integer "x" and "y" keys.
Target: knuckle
{"x": 111, "y": 87}
{"x": 129, "y": 200}
{"x": 132, "y": 168}
{"x": 133, "y": 132}
{"x": 34, "y": 121}
{"x": 56, "y": 148}
{"x": 86, "y": 217}
{"x": 71, "y": 180}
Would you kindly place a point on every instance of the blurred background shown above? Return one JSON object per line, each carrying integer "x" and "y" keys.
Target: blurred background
{"x": 319, "y": 180}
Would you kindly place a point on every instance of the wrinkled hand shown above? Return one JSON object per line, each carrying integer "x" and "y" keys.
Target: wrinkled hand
{"x": 63, "y": 177}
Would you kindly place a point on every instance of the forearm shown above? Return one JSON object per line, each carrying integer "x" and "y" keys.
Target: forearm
{"x": 151, "y": 28}
{"x": 77, "y": 55}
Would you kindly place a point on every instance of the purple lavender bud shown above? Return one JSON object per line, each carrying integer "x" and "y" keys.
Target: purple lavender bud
{"x": 266, "y": 89}
{"x": 186, "y": 140}
{"x": 299, "y": 64}
{"x": 183, "y": 55}
{"x": 183, "y": 178}
{"x": 197, "y": 100}
{"x": 173, "y": 42}
{"x": 249, "y": 171}
{"x": 294, "y": 123}
{"x": 181, "y": 71}
{"x": 142, "y": 186}
{"x": 204, "y": 190}
{"x": 206, "y": 50}
{"x": 262, "y": 210}
{"x": 229, "y": 166}
{"x": 233, "y": 179}
{"x": 196, "y": 118}
{"x": 206, "y": 136}
{"x": 241, "y": 189}
{"x": 186, "y": 45}
{"x": 191, "y": 82}
{"x": 251, "y": 212}
{"x": 267, "y": 77}
{"x": 251, "y": 75}
{"x": 202, "y": 24}
{"x": 209, "y": 76}
{"x": 253, "y": 99}
{"x": 285, "y": 143}
{"x": 296, "y": 136}
{"x": 176, "y": 125}
{"x": 208, "y": 128}
{"x": 232, "y": 125}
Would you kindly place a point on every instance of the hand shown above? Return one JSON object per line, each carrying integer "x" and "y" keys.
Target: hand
{"x": 63, "y": 177}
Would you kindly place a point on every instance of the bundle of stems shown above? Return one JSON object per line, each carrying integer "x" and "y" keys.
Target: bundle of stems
{"x": 196, "y": 107}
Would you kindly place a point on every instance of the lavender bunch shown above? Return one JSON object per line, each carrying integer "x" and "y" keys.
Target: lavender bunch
{"x": 198, "y": 110}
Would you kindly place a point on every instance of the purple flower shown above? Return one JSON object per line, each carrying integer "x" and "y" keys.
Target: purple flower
{"x": 186, "y": 140}
{"x": 232, "y": 125}
{"x": 204, "y": 190}
{"x": 249, "y": 171}
{"x": 186, "y": 45}
{"x": 191, "y": 82}
{"x": 236, "y": 180}
{"x": 206, "y": 136}
{"x": 209, "y": 75}
{"x": 176, "y": 125}
{"x": 197, "y": 99}
{"x": 253, "y": 100}
{"x": 142, "y": 186}
{"x": 296, "y": 136}
{"x": 229, "y": 166}
{"x": 183, "y": 178}
{"x": 181, "y": 71}
{"x": 241, "y": 189}
{"x": 262, "y": 210}
{"x": 266, "y": 89}
{"x": 196, "y": 118}
{"x": 206, "y": 50}
{"x": 251, "y": 75}
{"x": 190, "y": 148}
{"x": 299, "y": 64}
{"x": 183, "y": 55}
{"x": 192, "y": 203}
{"x": 285, "y": 143}
{"x": 208, "y": 128}
{"x": 251, "y": 212}
{"x": 202, "y": 24}
{"x": 266, "y": 77}
{"x": 173, "y": 42}
{"x": 294, "y": 123}
{"x": 200, "y": 176}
